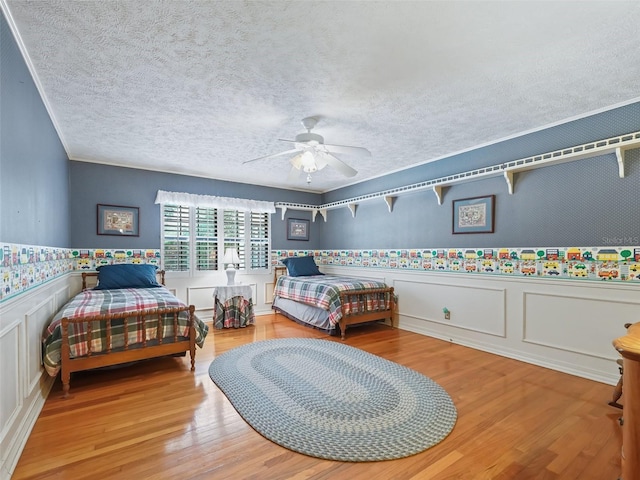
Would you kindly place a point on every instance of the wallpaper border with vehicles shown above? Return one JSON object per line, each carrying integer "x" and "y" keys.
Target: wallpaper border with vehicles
{"x": 23, "y": 267}
{"x": 620, "y": 264}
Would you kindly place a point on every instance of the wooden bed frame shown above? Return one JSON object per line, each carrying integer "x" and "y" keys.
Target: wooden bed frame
{"x": 149, "y": 348}
{"x": 361, "y": 311}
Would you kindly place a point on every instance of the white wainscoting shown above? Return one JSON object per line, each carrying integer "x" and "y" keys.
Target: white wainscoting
{"x": 560, "y": 324}
{"x": 268, "y": 292}
{"x": 201, "y": 297}
{"x": 565, "y": 325}
{"x": 472, "y": 307}
{"x": 198, "y": 291}
{"x": 25, "y": 384}
{"x": 561, "y": 321}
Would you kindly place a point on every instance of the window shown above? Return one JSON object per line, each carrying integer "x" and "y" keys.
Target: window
{"x": 259, "y": 255}
{"x": 234, "y": 233}
{"x": 195, "y": 238}
{"x": 206, "y": 225}
{"x": 175, "y": 238}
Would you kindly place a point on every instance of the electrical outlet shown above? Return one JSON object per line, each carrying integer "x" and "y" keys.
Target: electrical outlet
{"x": 447, "y": 315}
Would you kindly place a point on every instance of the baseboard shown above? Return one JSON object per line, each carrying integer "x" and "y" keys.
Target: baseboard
{"x": 23, "y": 431}
{"x": 552, "y": 364}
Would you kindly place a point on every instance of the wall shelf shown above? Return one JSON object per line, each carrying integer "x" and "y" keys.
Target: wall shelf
{"x": 618, "y": 145}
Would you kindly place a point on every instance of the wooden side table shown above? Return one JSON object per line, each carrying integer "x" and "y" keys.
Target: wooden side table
{"x": 629, "y": 348}
{"x": 233, "y": 306}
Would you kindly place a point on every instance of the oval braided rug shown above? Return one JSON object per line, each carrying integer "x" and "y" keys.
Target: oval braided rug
{"x": 329, "y": 400}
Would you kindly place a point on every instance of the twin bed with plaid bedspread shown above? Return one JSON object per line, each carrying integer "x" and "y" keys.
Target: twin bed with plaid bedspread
{"x": 333, "y": 294}
{"x": 121, "y": 320}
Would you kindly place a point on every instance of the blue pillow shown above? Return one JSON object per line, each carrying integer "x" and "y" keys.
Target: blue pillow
{"x": 301, "y": 266}
{"x": 127, "y": 275}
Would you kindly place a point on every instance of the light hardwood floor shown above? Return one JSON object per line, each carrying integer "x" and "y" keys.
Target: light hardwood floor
{"x": 158, "y": 420}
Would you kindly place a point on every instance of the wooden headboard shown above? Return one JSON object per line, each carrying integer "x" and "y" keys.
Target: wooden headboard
{"x": 278, "y": 271}
{"x": 92, "y": 275}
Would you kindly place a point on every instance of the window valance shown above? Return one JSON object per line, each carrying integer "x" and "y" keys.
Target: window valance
{"x": 210, "y": 201}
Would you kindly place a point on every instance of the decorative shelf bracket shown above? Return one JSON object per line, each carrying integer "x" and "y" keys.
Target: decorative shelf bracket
{"x": 389, "y": 201}
{"x": 618, "y": 145}
{"x": 352, "y": 207}
{"x": 509, "y": 177}
{"x": 620, "y": 153}
{"x": 437, "y": 189}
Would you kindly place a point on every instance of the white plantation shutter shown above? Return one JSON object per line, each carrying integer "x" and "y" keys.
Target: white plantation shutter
{"x": 195, "y": 238}
{"x": 234, "y": 233}
{"x": 206, "y": 239}
{"x": 176, "y": 235}
{"x": 259, "y": 241}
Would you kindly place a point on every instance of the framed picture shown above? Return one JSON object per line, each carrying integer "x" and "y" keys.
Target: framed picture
{"x": 474, "y": 215}
{"x": 297, "y": 229}
{"x": 118, "y": 220}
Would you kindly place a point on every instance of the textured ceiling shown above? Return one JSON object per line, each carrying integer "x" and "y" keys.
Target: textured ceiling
{"x": 199, "y": 87}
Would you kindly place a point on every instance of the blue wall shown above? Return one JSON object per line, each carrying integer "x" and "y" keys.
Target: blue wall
{"x": 34, "y": 181}
{"x": 572, "y": 204}
{"x": 580, "y": 203}
{"x": 93, "y": 184}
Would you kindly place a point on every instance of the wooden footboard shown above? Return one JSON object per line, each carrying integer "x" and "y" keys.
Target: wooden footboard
{"x": 148, "y": 348}
{"x": 359, "y": 306}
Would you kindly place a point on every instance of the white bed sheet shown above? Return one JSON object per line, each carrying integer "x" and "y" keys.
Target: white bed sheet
{"x": 308, "y": 314}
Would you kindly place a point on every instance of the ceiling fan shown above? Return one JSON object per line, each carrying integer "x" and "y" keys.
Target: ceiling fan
{"x": 313, "y": 154}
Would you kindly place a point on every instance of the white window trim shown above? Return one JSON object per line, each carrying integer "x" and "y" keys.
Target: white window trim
{"x": 209, "y": 202}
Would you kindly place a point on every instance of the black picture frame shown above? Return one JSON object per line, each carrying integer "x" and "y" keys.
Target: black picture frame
{"x": 474, "y": 215}
{"x": 297, "y": 229}
{"x": 118, "y": 220}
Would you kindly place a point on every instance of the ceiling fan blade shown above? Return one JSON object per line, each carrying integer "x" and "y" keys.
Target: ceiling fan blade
{"x": 330, "y": 147}
{"x": 270, "y": 156}
{"x": 348, "y": 149}
{"x": 300, "y": 145}
{"x": 338, "y": 164}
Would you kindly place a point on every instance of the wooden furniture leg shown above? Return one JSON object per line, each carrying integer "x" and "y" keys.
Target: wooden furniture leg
{"x": 617, "y": 391}
{"x": 629, "y": 347}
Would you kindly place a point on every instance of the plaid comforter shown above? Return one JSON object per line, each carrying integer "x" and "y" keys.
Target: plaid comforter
{"x": 322, "y": 291}
{"x": 101, "y": 302}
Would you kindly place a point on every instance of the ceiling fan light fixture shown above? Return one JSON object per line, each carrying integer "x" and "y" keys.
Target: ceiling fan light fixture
{"x": 308, "y": 162}
{"x": 320, "y": 158}
{"x": 296, "y": 161}
{"x": 313, "y": 155}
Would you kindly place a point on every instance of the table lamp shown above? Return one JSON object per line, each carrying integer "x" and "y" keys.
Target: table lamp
{"x": 231, "y": 258}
